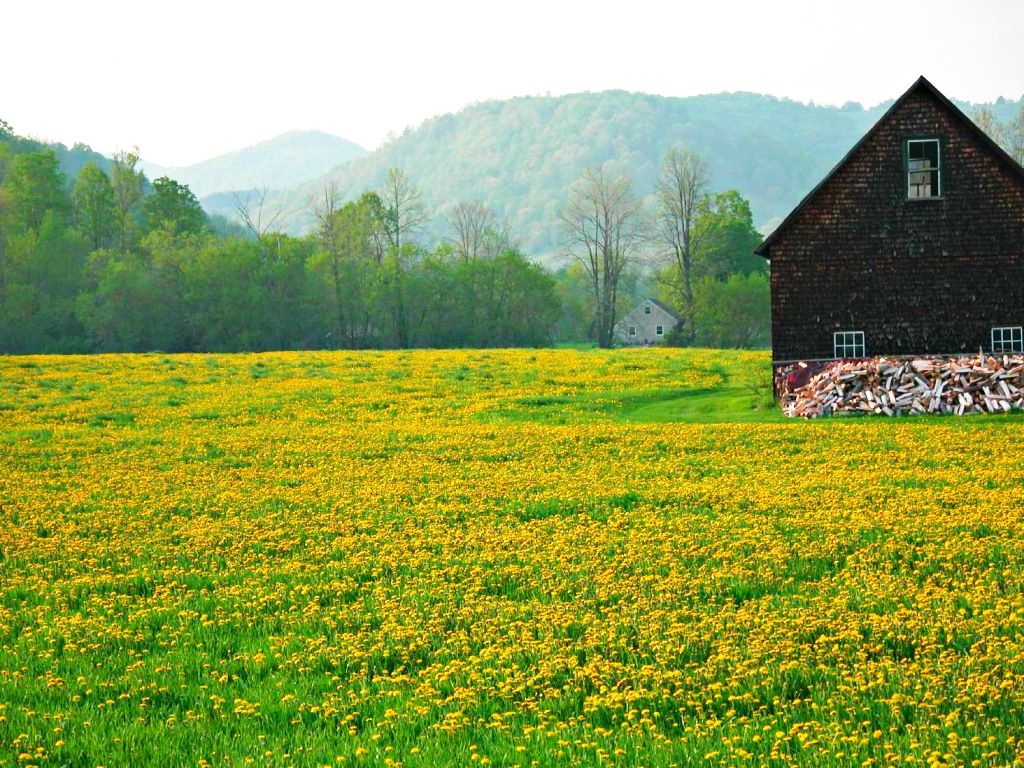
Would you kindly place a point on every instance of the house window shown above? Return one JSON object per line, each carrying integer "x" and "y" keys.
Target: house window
{"x": 923, "y": 168}
{"x": 848, "y": 344}
{"x": 1008, "y": 339}
{"x": 632, "y": 330}
{"x": 647, "y": 309}
{"x": 659, "y": 330}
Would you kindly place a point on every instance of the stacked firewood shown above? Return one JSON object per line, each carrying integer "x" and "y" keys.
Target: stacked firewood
{"x": 976, "y": 384}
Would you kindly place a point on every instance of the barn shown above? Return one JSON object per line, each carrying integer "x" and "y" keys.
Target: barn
{"x": 912, "y": 245}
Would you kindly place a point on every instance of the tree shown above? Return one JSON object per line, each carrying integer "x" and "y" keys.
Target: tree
{"x": 348, "y": 255}
{"x": 129, "y": 186}
{"x": 403, "y": 208}
{"x": 475, "y": 233}
{"x": 259, "y": 219}
{"x": 726, "y": 237}
{"x": 681, "y": 187}
{"x": 402, "y": 214}
{"x": 1014, "y": 137}
{"x": 37, "y": 189}
{"x": 603, "y": 224}
{"x": 733, "y": 313}
{"x": 986, "y": 119}
{"x": 174, "y": 206}
{"x": 95, "y": 206}
{"x": 1010, "y": 136}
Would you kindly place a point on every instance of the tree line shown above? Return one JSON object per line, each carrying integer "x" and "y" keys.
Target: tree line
{"x": 696, "y": 245}
{"x": 109, "y": 261}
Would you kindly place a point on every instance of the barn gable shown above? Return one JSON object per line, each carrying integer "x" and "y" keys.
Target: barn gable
{"x": 913, "y": 243}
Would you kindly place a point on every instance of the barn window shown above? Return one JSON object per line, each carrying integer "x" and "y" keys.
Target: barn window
{"x": 1008, "y": 339}
{"x": 923, "y": 169}
{"x": 848, "y": 344}
{"x": 647, "y": 309}
{"x": 659, "y": 330}
{"x": 632, "y": 330}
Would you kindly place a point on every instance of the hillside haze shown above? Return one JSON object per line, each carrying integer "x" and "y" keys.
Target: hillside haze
{"x": 284, "y": 162}
{"x": 521, "y": 155}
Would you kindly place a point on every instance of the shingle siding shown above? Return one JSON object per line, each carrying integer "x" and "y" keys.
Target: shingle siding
{"x": 916, "y": 276}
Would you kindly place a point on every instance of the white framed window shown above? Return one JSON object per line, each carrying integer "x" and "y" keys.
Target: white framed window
{"x": 1008, "y": 339}
{"x": 924, "y": 168}
{"x": 659, "y": 330}
{"x": 647, "y": 309}
{"x": 632, "y": 330}
{"x": 847, "y": 344}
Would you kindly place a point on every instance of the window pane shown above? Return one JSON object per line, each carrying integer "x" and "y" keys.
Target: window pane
{"x": 923, "y": 168}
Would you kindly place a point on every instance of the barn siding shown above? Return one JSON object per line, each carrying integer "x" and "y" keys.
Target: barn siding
{"x": 916, "y": 276}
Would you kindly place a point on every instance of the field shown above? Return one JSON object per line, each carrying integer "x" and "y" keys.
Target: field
{"x": 525, "y": 558}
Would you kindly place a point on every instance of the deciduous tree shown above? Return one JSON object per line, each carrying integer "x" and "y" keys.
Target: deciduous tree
{"x": 129, "y": 186}
{"x": 96, "y": 212}
{"x": 681, "y": 187}
{"x": 173, "y": 206}
{"x": 604, "y": 229}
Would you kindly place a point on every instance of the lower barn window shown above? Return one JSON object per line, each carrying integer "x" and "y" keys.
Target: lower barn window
{"x": 659, "y": 330}
{"x": 848, "y": 344}
{"x": 1008, "y": 339}
{"x": 632, "y": 330}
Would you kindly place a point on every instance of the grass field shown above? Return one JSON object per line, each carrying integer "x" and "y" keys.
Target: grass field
{"x": 525, "y": 558}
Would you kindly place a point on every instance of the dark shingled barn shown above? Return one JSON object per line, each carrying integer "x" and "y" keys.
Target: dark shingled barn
{"x": 912, "y": 245}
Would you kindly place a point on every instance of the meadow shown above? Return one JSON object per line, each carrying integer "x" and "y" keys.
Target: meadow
{"x": 532, "y": 558}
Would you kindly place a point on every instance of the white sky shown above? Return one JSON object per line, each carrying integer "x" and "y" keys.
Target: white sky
{"x": 187, "y": 80}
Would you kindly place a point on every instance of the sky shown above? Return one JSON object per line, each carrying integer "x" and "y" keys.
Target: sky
{"x": 186, "y": 81}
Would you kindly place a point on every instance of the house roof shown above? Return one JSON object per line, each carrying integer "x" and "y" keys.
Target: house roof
{"x": 664, "y": 308}
{"x": 921, "y": 83}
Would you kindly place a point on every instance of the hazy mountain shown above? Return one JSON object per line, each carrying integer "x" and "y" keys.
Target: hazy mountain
{"x": 284, "y": 162}
{"x": 521, "y": 155}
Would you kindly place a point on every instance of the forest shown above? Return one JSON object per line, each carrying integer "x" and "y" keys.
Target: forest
{"x": 96, "y": 257}
{"x": 109, "y": 261}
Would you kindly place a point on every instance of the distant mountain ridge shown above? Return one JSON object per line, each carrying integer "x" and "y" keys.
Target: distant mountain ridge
{"x": 521, "y": 155}
{"x": 283, "y": 162}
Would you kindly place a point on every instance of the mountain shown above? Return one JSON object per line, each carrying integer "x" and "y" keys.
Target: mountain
{"x": 71, "y": 161}
{"x": 520, "y": 156}
{"x": 286, "y": 161}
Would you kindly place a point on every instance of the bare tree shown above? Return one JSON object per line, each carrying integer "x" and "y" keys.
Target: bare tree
{"x": 329, "y": 235}
{"x": 985, "y": 118}
{"x": 476, "y": 232}
{"x": 403, "y": 208}
{"x": 1014, "y": 137}
{"x": 258, "y": 217}
{"x": 1010, "y": 136}
{"x": 469, "y": 224}
{"x": 603, "y": 223}
{"x": 402, "y": 214}
{"x": 682, "y": 187}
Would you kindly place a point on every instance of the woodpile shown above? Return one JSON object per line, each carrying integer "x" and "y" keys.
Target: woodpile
{"x": 893, "y": 387}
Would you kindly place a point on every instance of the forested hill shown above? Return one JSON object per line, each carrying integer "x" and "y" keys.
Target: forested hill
{"x": 71, "y": 160}
{"x": 520, "y": 156}
{"x": 283, "y": 162}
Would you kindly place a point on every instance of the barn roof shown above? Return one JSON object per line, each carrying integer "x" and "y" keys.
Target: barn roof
{"x": 921, "y": 83}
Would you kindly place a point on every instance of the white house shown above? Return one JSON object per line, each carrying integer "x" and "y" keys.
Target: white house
{"x": 648, "y": 323}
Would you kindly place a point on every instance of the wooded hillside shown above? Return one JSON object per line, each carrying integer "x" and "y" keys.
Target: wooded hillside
{"x": 519, "y": 156}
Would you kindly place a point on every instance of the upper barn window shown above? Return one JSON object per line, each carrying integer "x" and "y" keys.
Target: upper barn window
{"x": 924, "y": 172}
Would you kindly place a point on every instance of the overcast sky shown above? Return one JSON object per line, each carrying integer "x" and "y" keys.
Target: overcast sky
{"x": 197, "y": 79}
